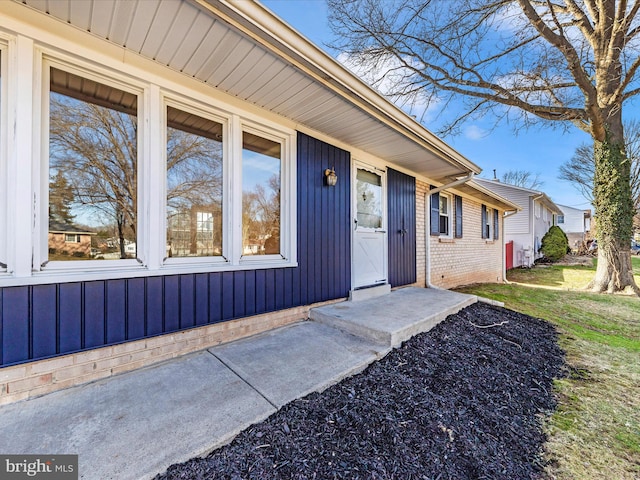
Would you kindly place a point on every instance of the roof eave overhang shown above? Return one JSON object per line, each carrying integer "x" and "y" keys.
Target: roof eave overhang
{"x": 257, "y": 22}
{"x": 489, "y": 197}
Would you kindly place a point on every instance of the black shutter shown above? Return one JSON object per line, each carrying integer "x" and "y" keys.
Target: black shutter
{"x": 496, "y": 225}
{"x": 484, "y": 221}
{"x": 435, "y": 214}
{"x": 458, "y": 202}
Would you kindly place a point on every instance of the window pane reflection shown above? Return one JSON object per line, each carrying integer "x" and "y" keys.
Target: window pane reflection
{"x": 194, "y": 185}
{"x": 93, "y": 162}
{"x": 261, "y": 163}
{"x": 369, "y": 199}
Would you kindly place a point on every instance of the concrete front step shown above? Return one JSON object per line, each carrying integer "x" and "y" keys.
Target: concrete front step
{"x": 393, "y": 318}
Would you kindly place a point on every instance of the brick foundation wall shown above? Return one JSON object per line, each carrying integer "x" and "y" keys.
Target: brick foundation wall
{"x": 34, "y": 379}
{"x": 459, "y": 261}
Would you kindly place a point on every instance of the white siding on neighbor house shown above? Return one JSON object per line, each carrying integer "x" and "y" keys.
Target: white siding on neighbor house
{"x": 523, "y": 249}
{"x": 519, "y": 222}
{"x": 573, "y": 220}
{"x": 540, "y": 227}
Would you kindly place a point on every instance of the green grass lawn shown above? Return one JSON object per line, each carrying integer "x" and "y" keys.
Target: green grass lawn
{"x": 595, "y": 432}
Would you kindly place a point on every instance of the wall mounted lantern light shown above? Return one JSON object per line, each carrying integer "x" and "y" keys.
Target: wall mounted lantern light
{"x": 331, "y": 177}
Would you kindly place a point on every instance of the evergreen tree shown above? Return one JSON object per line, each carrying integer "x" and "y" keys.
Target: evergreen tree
{"x": 61, "y": 198}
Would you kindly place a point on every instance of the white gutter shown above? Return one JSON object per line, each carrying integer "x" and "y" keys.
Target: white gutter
{"x": 427, "y": 222}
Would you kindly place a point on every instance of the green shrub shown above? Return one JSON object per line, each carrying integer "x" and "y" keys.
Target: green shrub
{"x": 555, "y": 244}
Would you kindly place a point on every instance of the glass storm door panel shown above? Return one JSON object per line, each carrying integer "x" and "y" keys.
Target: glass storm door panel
{"x": 370, "y": 237}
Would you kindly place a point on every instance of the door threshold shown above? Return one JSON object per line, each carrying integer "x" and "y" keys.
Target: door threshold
{"x": 365, "y": 293}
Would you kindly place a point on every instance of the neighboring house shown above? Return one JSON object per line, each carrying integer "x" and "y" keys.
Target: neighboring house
{"x": 526, "y": 227}
{"x": 67, "y": 240}
{"x": 575, "y": 222}
{"x": 273, "y": 121}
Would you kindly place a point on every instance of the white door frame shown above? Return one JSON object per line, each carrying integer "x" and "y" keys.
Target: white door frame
{"x": 357, "y": 231}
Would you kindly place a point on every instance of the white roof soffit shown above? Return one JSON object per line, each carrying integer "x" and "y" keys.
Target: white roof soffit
{"x": 214, "y": 41}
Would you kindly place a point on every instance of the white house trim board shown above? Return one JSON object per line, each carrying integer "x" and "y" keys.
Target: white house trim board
{"x": 23, "y": 85}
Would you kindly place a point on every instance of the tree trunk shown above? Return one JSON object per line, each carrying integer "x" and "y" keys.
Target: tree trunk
{"x": 120, "y": 223}
{"x": 614, "y": 212}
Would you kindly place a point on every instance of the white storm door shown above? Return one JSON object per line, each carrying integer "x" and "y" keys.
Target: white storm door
{"x": 370, "y": 237}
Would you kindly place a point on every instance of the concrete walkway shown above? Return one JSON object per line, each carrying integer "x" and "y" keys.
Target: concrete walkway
{"x": 133, "y": 426}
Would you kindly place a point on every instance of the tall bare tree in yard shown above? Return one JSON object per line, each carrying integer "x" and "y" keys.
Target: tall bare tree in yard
{"x": 522, "y": 178}
{"x": 573, "y": 62}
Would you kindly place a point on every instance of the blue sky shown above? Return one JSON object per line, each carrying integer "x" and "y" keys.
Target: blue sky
{"x": 538, "y": 150}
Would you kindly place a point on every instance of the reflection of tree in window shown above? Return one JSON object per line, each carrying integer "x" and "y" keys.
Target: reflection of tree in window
{"x": 261, "y": 159}
{"x": 369, "y": 199}
{"x": 93, "y": 148}
{"x": 194, "y": 185}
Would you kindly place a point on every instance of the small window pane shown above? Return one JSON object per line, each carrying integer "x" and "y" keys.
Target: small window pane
{"x": 93, "y": 162}
{"x": 444, "y": 215}
{"x": 261, "y": 167}
{"x": 194, "y": 185}
{"x": 369, "y": 199}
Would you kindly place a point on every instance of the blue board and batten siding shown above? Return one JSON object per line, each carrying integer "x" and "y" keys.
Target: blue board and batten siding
{"x": 401, "y": 211}
{"x": 41, "y": 321}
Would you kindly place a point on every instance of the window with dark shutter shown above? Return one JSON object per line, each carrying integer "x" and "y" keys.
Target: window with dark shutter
{"x": 496, "y": 225}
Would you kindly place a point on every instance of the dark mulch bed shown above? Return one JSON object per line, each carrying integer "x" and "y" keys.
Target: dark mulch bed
{"x": 458, "y": 402}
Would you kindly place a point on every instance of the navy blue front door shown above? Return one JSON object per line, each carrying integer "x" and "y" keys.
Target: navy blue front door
{"x": 401, "y": 195}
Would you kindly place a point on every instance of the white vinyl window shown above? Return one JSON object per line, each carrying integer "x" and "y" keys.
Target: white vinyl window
{"x": 92, "y": 168}
{"x": 194, "y": 204}
{"x": 267, "y": 174}
{"x": 488, "y": 226}
{"x": 537, "y": 209}
{"x": 446, "y": 208}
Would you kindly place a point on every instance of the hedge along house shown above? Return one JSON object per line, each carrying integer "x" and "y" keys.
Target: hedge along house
{"x": 200, "y": 140}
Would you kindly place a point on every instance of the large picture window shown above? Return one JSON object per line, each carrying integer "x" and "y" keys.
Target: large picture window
{"x": 140, "y": 178}
{"x": 194, "y": 185}
{"x": 93, "y": 168}
{"x": 261, "y": 191}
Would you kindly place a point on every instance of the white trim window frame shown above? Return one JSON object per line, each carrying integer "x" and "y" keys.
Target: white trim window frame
{"x": 41, "y": 254}
{"x": 448, "y": 215}
{"x": 212, "y": 115}
{"x": 488, "y": 226}
{"x": 288, "y": 239}
{"x": 4, "y": 200}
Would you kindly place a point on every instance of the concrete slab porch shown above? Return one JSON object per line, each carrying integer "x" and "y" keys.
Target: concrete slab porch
{"x": 394, "y": 318}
